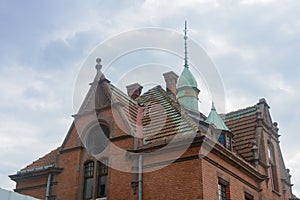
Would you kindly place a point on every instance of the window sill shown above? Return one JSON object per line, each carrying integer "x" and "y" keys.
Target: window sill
{"x": 101, "y": 198}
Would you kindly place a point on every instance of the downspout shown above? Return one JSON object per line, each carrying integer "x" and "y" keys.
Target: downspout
{"x": 139, "y": 133}
{"x": 48, "y": 186}
{"x": 140, "y": 177}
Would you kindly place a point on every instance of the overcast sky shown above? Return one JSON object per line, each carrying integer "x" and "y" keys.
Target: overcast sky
{"x": 254, "y": 44}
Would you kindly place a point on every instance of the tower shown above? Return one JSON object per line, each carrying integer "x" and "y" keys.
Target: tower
{"x": 187, "y": 90}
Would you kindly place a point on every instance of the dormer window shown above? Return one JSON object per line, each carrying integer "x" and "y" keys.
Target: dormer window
{"x": 224, "y": 138}
{"x": 223, "y": 135}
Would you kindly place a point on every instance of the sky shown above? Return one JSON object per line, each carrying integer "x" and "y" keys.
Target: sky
{"x": 254, "y": 45}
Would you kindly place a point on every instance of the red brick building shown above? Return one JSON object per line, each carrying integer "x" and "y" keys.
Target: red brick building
{"x": 157, "y": 145}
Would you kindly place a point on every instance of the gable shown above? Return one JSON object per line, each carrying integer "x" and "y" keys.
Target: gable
{"x": 242, "y": 123}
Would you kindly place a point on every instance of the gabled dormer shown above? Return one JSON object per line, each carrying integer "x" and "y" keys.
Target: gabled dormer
{"x": 223, "y": 134}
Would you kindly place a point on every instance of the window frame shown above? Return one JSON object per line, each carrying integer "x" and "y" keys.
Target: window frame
{"x": 88, "y": 174}
{"x": 224, "y": 139}
{"x": 102, "y": 165}
{"x": 224, "y": 185}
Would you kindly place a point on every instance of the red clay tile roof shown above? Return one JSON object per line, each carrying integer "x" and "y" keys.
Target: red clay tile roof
{"x": 44, "y": 161}
{"x": 242, "y": 124}
{"x": 163, "y": 117}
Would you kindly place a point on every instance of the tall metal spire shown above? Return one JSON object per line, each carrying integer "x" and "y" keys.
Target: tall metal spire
{"x": 185, "y": 46}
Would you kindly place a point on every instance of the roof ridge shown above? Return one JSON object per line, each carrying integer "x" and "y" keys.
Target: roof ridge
{"x": 238, "y": 112}
{"x": 240, "y": 109}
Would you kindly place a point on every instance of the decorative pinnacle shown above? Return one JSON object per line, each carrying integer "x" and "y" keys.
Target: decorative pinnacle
{"x": 213, "y": 106}
{"x": 185, "y": 45}
{"x": 98, "y": 65}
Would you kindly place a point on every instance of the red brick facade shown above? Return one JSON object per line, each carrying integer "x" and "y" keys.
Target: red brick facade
{"x": 243, "y": 172}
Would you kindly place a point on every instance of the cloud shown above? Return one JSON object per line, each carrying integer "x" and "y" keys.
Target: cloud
{"x": 254, "y": 44}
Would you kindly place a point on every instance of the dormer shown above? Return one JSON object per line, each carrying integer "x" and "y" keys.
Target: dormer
{"x": 222, "y": 134}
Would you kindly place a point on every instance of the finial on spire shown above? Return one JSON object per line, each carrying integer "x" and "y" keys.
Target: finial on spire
{"x": 98, "y": 65}
{"x": 185, "y": 45}
{"x": 213, "y": 106}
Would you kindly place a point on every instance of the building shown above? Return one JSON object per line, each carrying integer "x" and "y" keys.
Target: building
{"x": 10, "y": 195}
{"x": 157, "y": 145}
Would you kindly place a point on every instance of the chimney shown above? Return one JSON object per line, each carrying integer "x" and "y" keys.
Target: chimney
{"x": 134, "y": 90}
{"x": 171, "y": 81}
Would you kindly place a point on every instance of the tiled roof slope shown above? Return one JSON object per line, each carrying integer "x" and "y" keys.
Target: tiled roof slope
{"x": 242, "y": 123}
{"x": 44, "y": 161}
{"x": 163, "y": 117}
{"x": 128, "y": 108}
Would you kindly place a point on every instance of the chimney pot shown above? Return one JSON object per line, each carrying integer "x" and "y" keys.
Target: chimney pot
{"x": 134, "y": 90}
{"x": 171, "y": 82}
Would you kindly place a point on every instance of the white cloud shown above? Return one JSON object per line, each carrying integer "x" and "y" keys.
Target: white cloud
{"x": 254, "y": 44}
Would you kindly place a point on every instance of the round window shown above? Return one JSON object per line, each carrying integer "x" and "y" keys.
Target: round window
{"x": 97, "y": 139}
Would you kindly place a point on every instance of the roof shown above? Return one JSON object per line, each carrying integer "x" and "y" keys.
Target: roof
{"x": 46, "y": 160}
{"x": 215, "y": 119}
{"x": 163, "y": 117}
{"x": 187, "y": 91}
{"x": 242, "y": 124}
{"x": 186, "y": 79}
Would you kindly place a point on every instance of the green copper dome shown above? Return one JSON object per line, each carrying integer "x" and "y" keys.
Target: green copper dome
{"x": 215, "y": 119}
{"x": 186, "y": 79}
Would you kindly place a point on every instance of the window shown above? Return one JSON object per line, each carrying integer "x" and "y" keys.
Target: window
{"x": 221, "y": 191}
{"x": 221, "y": 139}
{"x": 224, "y": 139}
{"x": 273, "y": 170}
{"x": 248, "y": 196}
{"x": 88, "y": 180}
{"x": 95, "y": 177}
{"x": 97, "y": 139}
{"x": 102, "y": 178}
{"x": 228, "y": 142}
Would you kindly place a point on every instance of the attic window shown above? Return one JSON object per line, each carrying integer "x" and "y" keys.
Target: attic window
{"x": 97, "y": 139}
{"x": 224, "y": 139}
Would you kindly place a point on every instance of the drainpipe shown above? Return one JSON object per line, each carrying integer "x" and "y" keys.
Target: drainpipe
{"x": 48, "y": 187}
{"x": 140, "y": 177}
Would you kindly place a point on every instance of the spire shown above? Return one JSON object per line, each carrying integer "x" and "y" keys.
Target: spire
{"x": 187, "y": 90}
{"x": 185, "y": 45}
{"x": 215, "y": 119}
{"x": 213, "y": 106}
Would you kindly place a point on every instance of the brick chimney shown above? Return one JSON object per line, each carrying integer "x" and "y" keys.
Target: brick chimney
{"x": 171, "y": 81}
{"x": 134, "y": 90}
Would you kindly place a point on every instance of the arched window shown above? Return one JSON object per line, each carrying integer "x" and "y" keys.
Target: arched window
{"x": 88, "y": 180}
{"x": 273, "y": 170}
{"x": 97, "y": 139}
